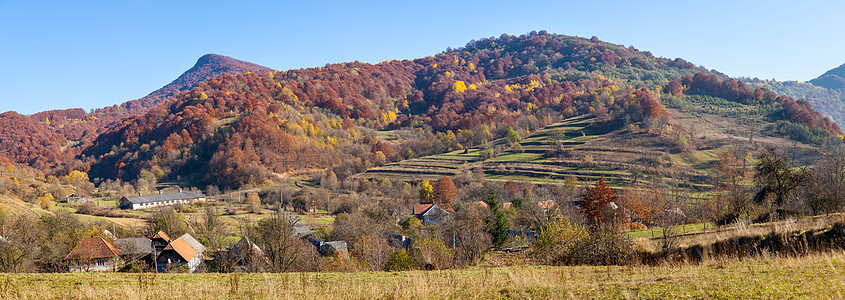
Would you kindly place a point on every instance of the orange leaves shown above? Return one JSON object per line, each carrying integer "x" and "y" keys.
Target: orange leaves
{"x": 649, "y": 104}
{"x": 444, "y": 192}
{"x": 599, "y": 204}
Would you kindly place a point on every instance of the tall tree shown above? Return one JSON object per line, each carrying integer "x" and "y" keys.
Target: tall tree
{"x": 599, "y": 204}
{"x": 426, "y": 192}
{"x": 776, "y": 176}
{"x": 444, "y": 192}
{"x": 500, "y": 223}
{"x": 275, "y": 236}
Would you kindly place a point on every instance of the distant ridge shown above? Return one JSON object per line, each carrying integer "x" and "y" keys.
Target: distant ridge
{"x": 47, "y": 138}
{"x": 832, "y": 79}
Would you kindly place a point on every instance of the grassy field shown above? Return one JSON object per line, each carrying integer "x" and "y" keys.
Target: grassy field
{"x": 814, "y": 276}
{"x": 680, "y": 229}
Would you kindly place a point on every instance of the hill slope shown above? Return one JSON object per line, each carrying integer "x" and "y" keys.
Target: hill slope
{"x": 233, "y": 130}
{"x": 832, "y": 79}
{"x": 51, "y": 137}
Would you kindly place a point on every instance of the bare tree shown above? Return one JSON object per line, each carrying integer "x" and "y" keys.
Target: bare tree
{"x": 211, "y": 227}
{"x": 275, "y": 236}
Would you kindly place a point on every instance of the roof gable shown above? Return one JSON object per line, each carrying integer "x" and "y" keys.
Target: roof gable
{"x": 435, "y": 210}
{"x": 421, "y": 208}
{"x": 91, "y": 248}
{"x": 162, "y": 235}
{"x": 181, "y": 247}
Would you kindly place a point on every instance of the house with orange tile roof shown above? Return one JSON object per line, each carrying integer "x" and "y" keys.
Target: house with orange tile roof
{"x": 93, "y": 254}
{"x": 183, "y": 254}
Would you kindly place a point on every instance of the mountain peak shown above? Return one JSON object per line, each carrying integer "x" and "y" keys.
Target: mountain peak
{"x": 217, "y": 60}
{"x": 832, "y": 79}
{"x": 208, "y": 66}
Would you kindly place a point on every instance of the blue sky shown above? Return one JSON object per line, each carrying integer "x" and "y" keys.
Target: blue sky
{"x": 89, "y": 54}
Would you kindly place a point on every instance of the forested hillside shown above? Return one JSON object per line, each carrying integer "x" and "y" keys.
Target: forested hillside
{"x": 49, "y": 138}
{"x": 239, "y": 129}
{"x": 829, "y": 102}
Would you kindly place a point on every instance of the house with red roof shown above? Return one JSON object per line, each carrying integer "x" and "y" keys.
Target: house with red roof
{"x": 93, "y": 254}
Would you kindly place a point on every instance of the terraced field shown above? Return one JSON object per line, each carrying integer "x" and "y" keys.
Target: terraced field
{"x": 576, "y": 148}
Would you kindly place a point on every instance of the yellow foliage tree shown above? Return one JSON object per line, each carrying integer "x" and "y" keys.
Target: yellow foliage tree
{"x": 459, "y": 87}
{"x": 76, "y": 177}
{"x": 426, "y": 192}
{"x": 47, "y": 201}
{"x": 253, "y": 202}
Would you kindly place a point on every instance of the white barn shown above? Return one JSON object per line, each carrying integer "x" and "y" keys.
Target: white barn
{"x": 148, "y": 201}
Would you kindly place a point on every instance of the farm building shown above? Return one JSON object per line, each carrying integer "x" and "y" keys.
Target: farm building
{"x": 93, "y": 254}
{"x": 182, "y": 254}
{"x": 148, "y": 201}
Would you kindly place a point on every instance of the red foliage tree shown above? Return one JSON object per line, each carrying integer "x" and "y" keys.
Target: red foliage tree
{"x": 598, "y": 204}
{"x": 444, "y": 192}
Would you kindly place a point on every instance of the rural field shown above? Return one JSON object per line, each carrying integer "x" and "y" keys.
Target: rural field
{"x": 766, "y": 277}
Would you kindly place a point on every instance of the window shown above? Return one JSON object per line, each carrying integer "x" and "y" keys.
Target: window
{"x": 101, "y": 262}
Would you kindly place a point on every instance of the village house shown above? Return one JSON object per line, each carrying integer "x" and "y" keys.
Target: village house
{"x": 183, "y": 254}
{"x": 149, "y": 201}
{"x": 93, "y": 254}
{"x": 430, "y": 214}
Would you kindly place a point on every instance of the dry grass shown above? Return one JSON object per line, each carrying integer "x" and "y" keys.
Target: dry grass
{"x": 745, "y": 229}
{"x": 814, "y": 276}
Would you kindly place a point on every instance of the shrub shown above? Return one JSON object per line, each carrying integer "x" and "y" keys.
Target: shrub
{"x": 399, "y": 260}
{"x": 557, "y": 239}
{"x": 603, "y": 249}
{"x": 87, "y": 208}
{"x": 431, "y": 253}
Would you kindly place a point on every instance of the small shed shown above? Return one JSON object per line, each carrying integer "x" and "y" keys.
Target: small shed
{"x": 398, "y": 241}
